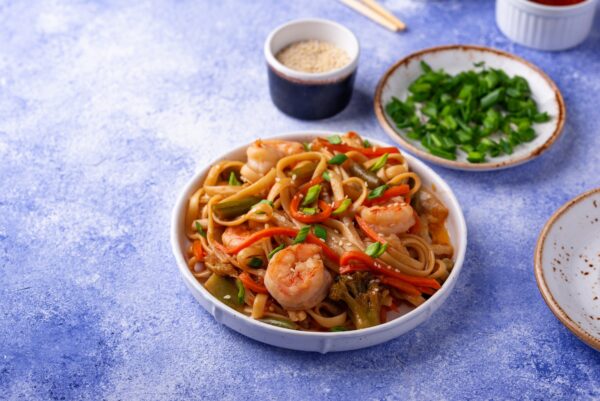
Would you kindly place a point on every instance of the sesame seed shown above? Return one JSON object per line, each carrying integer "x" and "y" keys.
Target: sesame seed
{"x": 227, "y": 296}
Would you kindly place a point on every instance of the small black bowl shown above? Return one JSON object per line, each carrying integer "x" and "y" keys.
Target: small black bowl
{"x": 304, "y": 95}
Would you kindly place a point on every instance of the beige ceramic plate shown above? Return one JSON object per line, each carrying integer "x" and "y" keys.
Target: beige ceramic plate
{"x": 567, "y": 266}
{"x": 454, "y": 59}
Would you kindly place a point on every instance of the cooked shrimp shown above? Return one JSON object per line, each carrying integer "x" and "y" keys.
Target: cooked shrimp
{"x": 263, "y": 155}
{"x": 297, "y": 278}
{"x": 235, "y": 235}
{"x": 395, "y": 217}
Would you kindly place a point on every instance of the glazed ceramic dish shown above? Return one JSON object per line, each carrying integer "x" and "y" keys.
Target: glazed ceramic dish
{"x": 322, "y": 341}
{"x": 454, "y": 59}
{"x": 567, "y": 266}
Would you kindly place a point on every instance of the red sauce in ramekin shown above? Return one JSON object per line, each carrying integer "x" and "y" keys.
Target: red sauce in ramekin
{"x": 558, "y": 2}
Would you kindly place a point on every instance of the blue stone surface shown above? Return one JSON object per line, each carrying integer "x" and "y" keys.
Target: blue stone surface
{"x": 107, "y": 108}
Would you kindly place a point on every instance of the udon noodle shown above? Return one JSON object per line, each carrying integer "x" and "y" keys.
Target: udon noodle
{"x": 329, "y": 235}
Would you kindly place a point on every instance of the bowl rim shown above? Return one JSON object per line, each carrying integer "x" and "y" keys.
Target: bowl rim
{"x": 181, "y": 204}
{"x": 547, "y": 9}
{"x": 553, "y": 305}
{"x": 311, "y": 77}
{"x": 459, "y": 165}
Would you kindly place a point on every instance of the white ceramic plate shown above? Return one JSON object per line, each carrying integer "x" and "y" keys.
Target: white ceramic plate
{"x": 567, "y": 266}
{"x": 311, "y": 341}
{"x": 454, "y": 59}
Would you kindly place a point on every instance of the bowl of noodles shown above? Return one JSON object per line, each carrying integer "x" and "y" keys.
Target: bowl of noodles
{"x": 319, "y": 241}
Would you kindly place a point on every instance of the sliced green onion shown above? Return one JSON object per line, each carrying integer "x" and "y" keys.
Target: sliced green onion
{"x": 338, "y": 328}
{"x": 268, "y": 202}
{"x": 286, "y": 324}
{"x": 343, "y": 207}
{"x": 235, "y": 208}
{"x": 199, "y": 229}
{"x": 334, "y": 139}
{"x": 366, "y": 144}
{"x": 309, "y": 210}
{"x": 306, "y": 146}
{"x": 451, "y": 112}
{"x": 338, "y": 159}
{"x": 275, "y": 250}
{"x": 255, "y": 262}
{"x": 377, "y": 192}
{"x": 320, "y": 232}
{"x": 376, "y": 249}
{"x": 476, "y": 157}
{"x": 491, "y": 98}
{"x": 233, "y": 179}
{"x": 312, "y": 195}
{"x": 302, "y": 234}
{"x": 379, "y": 163}
{"x": 326, "y": 176}
{"x": 241, "y": 291}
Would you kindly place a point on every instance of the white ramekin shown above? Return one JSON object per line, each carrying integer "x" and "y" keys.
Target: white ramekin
{"x": 545, "y": 27}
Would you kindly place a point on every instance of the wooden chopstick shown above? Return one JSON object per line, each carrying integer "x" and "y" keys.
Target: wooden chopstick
{"x": 385, "y": 13}
{"x": 370, "y": 13}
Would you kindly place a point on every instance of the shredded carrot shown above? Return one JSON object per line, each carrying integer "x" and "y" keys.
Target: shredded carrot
{"x": 425, "y": 290}
{"x": 385, "y": 270}
{"x": 288, "y": 232}
{"x": 401, "y": 285}
{"x": 418, "y": 281}
{"x": 197, "y": 250}
{"x": 354, "y": 267}
{"x": 251, "y": 284}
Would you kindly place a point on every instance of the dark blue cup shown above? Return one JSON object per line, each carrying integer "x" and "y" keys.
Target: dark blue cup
{"x": 305, "y": 95}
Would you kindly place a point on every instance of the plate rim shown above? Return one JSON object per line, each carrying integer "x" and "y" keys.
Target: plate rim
{"x": 181, "y": 201}
{"x": 460, "y": 165}
{"x": 553, "y": 305}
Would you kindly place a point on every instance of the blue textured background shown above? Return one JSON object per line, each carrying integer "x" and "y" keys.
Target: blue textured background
{"x": 108, "y": 108}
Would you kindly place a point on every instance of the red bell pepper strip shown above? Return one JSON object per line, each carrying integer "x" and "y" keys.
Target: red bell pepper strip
{"x": 368, "y": 230}
{"x": 251, "y": 284}
{"x": 289, "y": 232}
{"x": 323, "y": 215}
{"x": 369, "y": 152}
{"x": 397, "y": 190}
{"x": 320, "y": 217}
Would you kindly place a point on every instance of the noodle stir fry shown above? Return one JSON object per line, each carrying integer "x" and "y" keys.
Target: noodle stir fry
{"x": 330, "y": 235}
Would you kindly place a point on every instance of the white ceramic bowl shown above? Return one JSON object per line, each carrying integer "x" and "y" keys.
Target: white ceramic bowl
{"x": 567, "y": 266}
{"x": 545, "y": 27}
{"x": 454, "y": 59}
{"x": 311, "y": 341}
